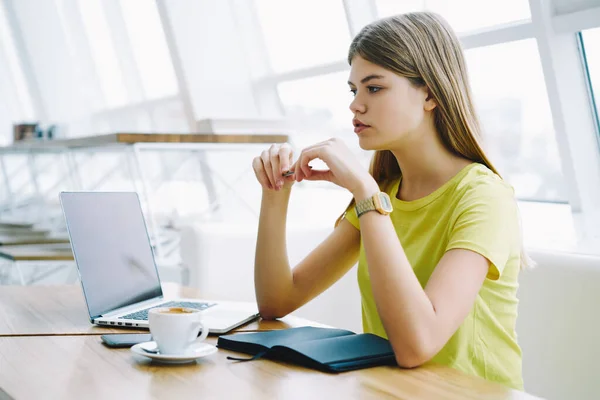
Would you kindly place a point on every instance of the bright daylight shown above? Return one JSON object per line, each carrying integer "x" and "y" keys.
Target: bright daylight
{"x": 299, "y": 199}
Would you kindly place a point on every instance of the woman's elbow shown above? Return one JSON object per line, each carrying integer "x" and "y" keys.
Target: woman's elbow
{"x": 412, "y": 356}
{"x": 271, "y": 311}
{"x": 404, "y": 361}
{"x": 269, "y": 314}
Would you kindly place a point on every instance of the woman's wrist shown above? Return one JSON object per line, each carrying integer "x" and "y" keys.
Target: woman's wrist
{"x": 277, "y": 194}
{"x": 365, "y": 190}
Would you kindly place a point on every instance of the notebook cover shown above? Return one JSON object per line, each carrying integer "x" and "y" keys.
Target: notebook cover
{"x": 332, "y": 350}
{"x": 338, "y": 354}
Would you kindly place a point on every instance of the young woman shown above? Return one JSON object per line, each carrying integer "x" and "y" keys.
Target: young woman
{"x": 433, "y": 227}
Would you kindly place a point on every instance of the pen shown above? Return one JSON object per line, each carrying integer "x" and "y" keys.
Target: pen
{"x": 290, "y": 172}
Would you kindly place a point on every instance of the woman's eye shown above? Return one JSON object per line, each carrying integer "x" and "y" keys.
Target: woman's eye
{"x": 373, "y": 89}
{"x": 353, "y": 91}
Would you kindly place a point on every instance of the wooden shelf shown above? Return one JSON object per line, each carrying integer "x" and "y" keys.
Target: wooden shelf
{"x": 133, "y": 138}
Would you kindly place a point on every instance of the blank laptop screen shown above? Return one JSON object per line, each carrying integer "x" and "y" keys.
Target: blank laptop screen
{"x": 112, "y": 250}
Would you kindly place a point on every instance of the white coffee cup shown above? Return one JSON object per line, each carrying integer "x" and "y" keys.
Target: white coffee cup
{"x": 174, "y": 329}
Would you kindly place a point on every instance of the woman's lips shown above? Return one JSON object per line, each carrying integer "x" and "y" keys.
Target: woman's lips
{"x": 359, "y": 128}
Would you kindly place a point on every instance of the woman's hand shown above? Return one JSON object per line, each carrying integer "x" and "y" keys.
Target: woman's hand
{"x": 270, "y": 166}
{"x": 344, "y": 170}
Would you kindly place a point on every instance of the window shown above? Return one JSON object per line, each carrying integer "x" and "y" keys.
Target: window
{"x": 512, "y": 103}
{"x": 462, "y": 15}
{"x": 103, "y": 52}
{"x": 591, "y": 45}
{"x": 149, "y": 48}
{"x": 21, "y": 91}
{"x": 318, "y": 107}
{"x": 297, "y": 36}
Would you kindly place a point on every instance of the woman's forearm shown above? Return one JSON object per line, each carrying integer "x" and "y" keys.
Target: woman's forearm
{"x": 405, "y": 310}
{"x": 403, "y": 306}
{"x": 273, "y": 279}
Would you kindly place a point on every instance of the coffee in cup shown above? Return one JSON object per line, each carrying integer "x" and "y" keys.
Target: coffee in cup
{"x": 175, "y": 329}
{"x": 177, "y": 310}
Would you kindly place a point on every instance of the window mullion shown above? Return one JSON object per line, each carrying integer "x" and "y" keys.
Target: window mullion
{"x": 122, "y": 44}
{"x": 359, "y": 13}
{"x": 572, "y": 117}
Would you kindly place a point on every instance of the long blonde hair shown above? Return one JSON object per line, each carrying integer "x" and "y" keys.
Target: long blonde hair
{"x": 423, "y": 48}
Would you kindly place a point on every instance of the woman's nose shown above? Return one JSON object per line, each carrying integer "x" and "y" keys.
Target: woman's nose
{"x": 357, "y": 106}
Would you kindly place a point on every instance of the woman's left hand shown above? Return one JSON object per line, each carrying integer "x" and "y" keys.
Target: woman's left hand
{"x": 344, "y": 170}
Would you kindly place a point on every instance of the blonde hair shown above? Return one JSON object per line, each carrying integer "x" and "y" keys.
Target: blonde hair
{"x": 423, "y": 48}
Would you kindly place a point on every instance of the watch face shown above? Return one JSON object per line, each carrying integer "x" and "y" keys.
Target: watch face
{"x": 385, "y": 201}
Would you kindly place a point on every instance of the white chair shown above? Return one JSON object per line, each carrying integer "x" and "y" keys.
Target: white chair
{"x": 219, "y": 258}
{"x": 559, "y": 326}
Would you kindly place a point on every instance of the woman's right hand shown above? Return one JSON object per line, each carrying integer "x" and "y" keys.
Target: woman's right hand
{"x": 270, "y": 166}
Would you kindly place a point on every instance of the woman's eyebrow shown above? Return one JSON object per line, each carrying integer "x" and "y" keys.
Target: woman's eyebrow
{"x": 368, "y": 78}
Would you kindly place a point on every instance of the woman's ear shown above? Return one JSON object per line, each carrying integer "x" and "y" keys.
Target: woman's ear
{"x": 430, "y": 102}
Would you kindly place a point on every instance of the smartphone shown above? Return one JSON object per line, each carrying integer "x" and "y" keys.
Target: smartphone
{"x": 125, "y": 340}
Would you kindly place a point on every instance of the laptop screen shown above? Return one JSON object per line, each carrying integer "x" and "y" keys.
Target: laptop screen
{"x": 111, "y": 248}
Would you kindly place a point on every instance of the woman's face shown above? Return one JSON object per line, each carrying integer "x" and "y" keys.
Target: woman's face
{"x": 387, "y": 108}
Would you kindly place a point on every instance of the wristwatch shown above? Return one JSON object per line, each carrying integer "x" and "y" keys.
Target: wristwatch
{"x": 378, "y": 202}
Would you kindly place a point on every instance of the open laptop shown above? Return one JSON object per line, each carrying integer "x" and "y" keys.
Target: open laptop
{"x": 116, "y": 265}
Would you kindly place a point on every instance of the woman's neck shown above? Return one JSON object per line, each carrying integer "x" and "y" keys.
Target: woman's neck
{"x": 426, "y": 165}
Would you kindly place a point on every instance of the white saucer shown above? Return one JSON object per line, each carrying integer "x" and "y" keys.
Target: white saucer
{"x": 195, "y": 352}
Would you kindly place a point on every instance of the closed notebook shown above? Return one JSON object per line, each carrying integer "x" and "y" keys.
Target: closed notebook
{"x": 331, "y": 350}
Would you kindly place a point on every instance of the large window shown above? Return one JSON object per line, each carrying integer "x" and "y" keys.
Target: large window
{"x": 16, "y": 77}
{"x": 149, "y": 48}
{"x": 511, "y": 99}
{"x": 319, "y": 104}
{"x": 103, "y": 52}
{"x": 462, "y": 15}
{"x": 318, "y": 108}
{"x": 301, "y": 34}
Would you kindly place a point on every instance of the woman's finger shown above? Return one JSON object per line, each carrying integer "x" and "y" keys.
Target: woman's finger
{"x": 285, "y": 158}
{"x": 275, "y": 168}
{"x": 307, "y": 156}
{"x": 259, "y": 171}
{"x": 320, "y": 175}
{"x": 266, "y": 160}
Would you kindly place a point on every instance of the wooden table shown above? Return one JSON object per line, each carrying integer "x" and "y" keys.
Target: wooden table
{"x": 6, "y": 240}
{"x": 77, "y": 367}
{"x": 48, "y": 349}
{"x": 61, "y": 310}
{"x": 38, "y": 252}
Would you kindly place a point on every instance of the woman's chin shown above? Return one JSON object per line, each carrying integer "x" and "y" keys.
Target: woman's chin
{"x": 367, "y": 145}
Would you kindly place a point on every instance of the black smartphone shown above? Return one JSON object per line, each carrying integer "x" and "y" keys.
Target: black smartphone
{"x": 125, "y": 340}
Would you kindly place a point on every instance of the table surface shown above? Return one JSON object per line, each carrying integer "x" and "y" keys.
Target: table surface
{"x": 48, "y": 349}
{"x": 61, "y": 310}
{"x": 75, "y": 367}
{"x": 6, "y": 240}
{"x": 60, "y": 251}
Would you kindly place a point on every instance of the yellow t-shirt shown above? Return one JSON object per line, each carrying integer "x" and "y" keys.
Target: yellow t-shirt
{"x": 475, "y": 210}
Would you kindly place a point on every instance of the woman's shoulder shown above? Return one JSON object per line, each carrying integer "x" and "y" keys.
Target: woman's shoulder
{"x": 482, "y": 182}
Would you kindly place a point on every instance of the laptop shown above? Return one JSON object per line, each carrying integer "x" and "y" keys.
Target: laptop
{"x": 117, "y": 269}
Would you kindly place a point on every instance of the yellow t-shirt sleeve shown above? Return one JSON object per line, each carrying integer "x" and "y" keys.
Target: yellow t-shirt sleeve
{"x": 487, "y": 223}
{"x": 350, "y": 215}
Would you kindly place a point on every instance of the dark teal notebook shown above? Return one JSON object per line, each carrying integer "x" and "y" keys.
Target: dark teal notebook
{"x": 331, "y": 350}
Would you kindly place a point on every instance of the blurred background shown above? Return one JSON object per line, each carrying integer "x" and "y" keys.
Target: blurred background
{"x": 90, "y": 88}
{"x": 89, "y": 69}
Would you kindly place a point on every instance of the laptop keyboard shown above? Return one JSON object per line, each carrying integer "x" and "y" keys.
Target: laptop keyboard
{"x": 142, "y": 315}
